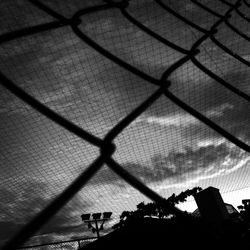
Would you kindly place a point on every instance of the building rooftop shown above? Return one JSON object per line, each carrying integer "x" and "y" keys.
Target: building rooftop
{"x": 230, "y": 208}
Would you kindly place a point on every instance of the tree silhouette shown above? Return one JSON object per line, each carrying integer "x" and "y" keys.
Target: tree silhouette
{"x": 153, "y": 209}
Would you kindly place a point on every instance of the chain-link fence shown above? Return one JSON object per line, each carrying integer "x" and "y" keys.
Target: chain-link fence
{"x": 72, "y": 244}
{"x": 221, "y": 13}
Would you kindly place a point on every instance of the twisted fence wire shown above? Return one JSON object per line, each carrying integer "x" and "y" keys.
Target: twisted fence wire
{"x": 106, "y": 145}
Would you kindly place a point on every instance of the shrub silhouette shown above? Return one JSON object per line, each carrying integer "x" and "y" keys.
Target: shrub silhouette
{"x": 152, "y": 209}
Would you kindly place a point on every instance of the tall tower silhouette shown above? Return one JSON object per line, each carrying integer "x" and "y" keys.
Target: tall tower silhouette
{"x": 211, "y": 205}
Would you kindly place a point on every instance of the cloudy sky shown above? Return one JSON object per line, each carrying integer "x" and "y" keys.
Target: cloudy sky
{"x": 165, "y": 147}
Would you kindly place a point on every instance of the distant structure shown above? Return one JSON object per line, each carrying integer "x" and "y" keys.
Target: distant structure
{"x": 245, "y": 205}
{"x": 96, "y": 228}
{"x": 211, "y": 206}
{"x": 230, "y": 209}
{"x": 246, "y": 202}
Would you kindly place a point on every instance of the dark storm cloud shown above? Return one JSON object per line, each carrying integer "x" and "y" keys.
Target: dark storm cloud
{"x": 234, "y": 120}
{"x": 234, "y": 117}
{"x": 180, "y": 166}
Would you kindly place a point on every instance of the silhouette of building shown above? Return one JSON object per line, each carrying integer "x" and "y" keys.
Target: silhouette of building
{"x": 246, "y": 202}
{"x": 232, "y": 211}
{"x": 211, "y": 206}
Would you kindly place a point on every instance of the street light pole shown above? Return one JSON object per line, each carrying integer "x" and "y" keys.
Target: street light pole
{"x": 96, "y": 218}
{"x": 97, "y": 229}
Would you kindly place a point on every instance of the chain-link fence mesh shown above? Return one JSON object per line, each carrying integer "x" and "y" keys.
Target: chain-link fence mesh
{"x": 71, "y": 245}
{"x": 103, "y": 88}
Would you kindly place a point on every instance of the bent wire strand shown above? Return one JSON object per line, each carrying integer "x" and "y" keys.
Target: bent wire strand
{"x": 109, "y": 55}
{"x": 120, "y": 126}
{"x": 197, "y": 114}
{"x": 220, "y": 80}
{"x": 49, "y": 113}
{"x": 193, "y": 112}
{"x": 178, "y": 16}
{"x": 106, "y": 155}
{"x": 219, "y": 44}
{"x": 62, "y": 199}
{"x": 185, "y": 20}
{"x": 31, "y": 227}
{"x": 152, "y": 33}
{"x": 133, "y": 181}
{"x": 212, "y": 37}
{"x": 230, "y": 52}
{"x": 237, "y": 10}
{"x": 207, "y": 9}
{"x": 6, "y": 37}
{"x": 99, "y": 48}
{"x": 237, "y": 31}
{"x": 41, "y": 218}
{"x": 48, "y": 10}
{"x": 31, "y": 31}
{"x": 246, "y": 3}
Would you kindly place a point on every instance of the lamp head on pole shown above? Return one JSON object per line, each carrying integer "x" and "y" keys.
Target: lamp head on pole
{"x": 107, "y": 215}
{"x": 96, "y": 216}
{"x": 85, "y": 217}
